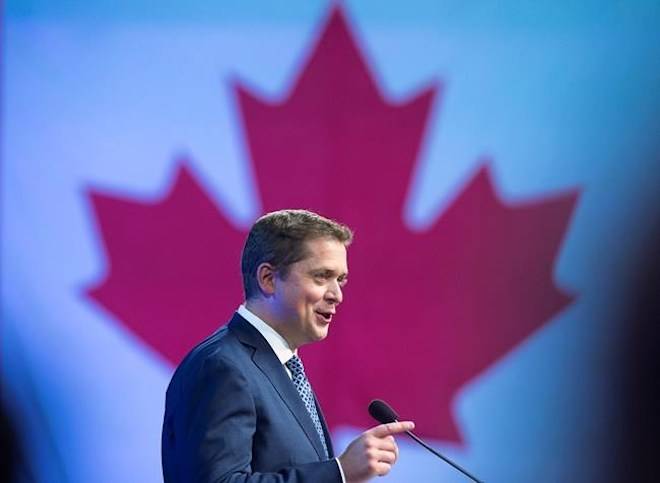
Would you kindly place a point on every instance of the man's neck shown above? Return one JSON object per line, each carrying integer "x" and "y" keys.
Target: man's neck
{"x": 261, "y": 310}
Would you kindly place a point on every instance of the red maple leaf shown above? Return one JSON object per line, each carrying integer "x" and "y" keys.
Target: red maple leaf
{"x": 169, "y": 265}
{"x": 425, "y": 311}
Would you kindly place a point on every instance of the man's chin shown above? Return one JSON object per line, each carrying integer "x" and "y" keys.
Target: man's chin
{"x": 318, "y": 335}
{"x": 321, "y": 334}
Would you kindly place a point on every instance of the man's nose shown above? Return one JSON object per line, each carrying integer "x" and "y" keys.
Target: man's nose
{"x": 334, "y": 293}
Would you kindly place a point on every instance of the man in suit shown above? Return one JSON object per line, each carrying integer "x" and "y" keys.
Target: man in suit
{"x": 239, "y": 407}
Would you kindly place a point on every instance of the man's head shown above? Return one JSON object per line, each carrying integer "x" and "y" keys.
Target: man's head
{"x": 294, "y": 266}
{"x": 278, "y": 238}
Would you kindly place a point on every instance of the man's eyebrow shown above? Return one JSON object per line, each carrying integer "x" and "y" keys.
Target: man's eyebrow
{"x": 323, "y": 270}
{"x": 328, "y": 271}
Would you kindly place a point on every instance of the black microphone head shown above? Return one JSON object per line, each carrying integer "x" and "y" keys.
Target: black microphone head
{"x": 382, "y": 412}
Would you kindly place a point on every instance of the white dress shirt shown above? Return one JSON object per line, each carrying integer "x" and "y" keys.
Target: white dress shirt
{"x": 280, "y": 347}
{"x": 276, "y": 342}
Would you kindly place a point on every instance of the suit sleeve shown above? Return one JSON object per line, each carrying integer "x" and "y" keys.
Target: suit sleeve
{"x": 217, "y": 424}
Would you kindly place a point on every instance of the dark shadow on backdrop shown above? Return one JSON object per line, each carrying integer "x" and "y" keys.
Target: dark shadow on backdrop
{"x": 9, "y": 448}
{"x": 639, "y": 442}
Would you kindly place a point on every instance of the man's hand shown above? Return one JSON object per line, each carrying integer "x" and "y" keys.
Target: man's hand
{"x": 373, "y": 453}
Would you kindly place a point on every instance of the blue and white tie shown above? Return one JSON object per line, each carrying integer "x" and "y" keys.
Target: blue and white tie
{"x": 303, "y": 387}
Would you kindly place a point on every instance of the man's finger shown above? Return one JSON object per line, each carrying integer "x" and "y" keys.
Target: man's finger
{"x": 386, "y": 444}
{"x": 389, "y": 457}
{"x": 392, "y": 428}
{"x": 383, "y": 444}
{"x": 396, "y": 450}
{"x": 382, "y": 468}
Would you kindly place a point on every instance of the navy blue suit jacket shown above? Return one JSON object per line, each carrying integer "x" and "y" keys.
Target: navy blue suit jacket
{"x": 232, "y": 414}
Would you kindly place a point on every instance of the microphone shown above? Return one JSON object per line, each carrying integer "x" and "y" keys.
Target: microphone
{"x": 383, "y": 413}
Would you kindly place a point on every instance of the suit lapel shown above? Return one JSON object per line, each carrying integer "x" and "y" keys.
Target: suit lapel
{"x": 270, "y": 365}
{"x": 326, "y": 431}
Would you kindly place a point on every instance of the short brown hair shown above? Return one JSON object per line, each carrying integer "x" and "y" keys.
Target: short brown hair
{"x": 278, "y": 238}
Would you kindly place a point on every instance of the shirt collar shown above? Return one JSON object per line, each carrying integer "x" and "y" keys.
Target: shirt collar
{"x": 279, "y": 345}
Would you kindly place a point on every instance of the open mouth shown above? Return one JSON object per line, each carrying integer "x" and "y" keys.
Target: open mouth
{"x": 326, "y": 316}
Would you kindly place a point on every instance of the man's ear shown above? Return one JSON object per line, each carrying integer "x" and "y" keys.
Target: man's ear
{"x": 266, "y": 278}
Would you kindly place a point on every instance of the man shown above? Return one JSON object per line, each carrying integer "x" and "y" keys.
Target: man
{"x": 239, "y": 407}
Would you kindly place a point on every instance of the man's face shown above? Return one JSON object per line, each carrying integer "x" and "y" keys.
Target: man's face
{"x": 308, "y": 296}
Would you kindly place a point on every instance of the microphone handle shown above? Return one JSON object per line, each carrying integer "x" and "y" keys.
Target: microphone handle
{"x": 445, "y": 459}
